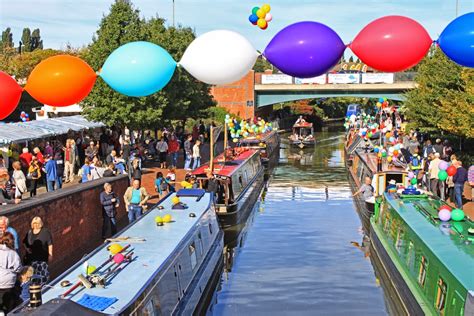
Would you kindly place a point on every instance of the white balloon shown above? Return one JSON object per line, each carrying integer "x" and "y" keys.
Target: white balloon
{"x": 219, "y": 57}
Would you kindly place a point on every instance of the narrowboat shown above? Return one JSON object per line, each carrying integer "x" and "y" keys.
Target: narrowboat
{"x": 269, "y": 146}
{"x": 429, "y": 262}
{"x": 362, "y": 163}
{"x": 165, "y": 269}
{"x": 302, "y": 134}
{"x": 240, "y": 177}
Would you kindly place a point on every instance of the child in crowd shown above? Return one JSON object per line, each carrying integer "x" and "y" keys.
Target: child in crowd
{"x": 119, "y": 163}
{"x": 25, "y": 276}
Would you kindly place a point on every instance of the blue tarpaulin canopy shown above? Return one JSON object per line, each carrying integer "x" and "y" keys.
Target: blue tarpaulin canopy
{"x": 26, "y": 131}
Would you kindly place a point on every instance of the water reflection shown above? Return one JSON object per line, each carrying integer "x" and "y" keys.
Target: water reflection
{"x": 302, "y": 251}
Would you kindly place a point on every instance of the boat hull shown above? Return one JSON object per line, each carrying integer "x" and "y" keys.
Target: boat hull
{"x": 406, "y": 302}
{"x": 238, "y": 212}
{"x": 364, "y": 210}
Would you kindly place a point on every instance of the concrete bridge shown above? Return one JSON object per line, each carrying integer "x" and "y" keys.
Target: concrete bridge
{"x": 257, "y": 90}
{"x": 277, "y": 93}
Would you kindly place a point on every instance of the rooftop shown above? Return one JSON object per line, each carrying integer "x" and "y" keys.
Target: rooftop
{"x": 228, "y": 167}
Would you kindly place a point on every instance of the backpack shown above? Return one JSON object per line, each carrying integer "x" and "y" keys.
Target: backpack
{"x": 415, "y": 161}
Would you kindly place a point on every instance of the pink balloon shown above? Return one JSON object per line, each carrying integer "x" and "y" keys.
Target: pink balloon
{"x": 268, "y": 17}
{"x": 118, "y": 258}
{"x": 444, "y": 215}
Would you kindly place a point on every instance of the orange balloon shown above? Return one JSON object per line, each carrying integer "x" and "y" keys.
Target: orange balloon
{"x": 61, "y": 80}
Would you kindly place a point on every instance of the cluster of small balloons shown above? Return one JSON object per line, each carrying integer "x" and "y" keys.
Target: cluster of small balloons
{"x": 382, "y": 103}
{"x": 445, "y": 213}
{"x": 261, "y": 16}
{"x": 244, "y": 129}
{"x": 24, "y": 116}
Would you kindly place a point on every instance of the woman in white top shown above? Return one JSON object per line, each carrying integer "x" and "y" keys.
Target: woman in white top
{"x": 196, "y": 154}
{"x": 20, "y": 180}
{"x": 97, "y": 171}
{"x": 162, "y": 149}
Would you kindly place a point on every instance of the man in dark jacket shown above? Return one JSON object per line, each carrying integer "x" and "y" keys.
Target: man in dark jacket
{"x": 110, "y": 203}
{"x": 459, "y": 179}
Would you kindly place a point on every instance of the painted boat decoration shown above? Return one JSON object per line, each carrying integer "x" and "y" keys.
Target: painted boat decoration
{"x": 169, "y": 269}
{"x": 240, "y": 178}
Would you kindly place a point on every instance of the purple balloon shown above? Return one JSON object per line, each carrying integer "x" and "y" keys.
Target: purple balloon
{"x": 443, "y": 165}
{"x": 305, "y": 49}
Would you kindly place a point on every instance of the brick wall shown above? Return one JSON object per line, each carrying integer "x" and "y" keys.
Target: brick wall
{"x": 234, "y": 96}
{"x": 74, "y": 217}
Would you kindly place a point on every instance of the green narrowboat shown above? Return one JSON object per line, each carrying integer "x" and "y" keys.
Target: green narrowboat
{"x": 429, "y": 262}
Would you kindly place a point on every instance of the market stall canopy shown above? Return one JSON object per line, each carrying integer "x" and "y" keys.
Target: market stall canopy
{"x": 26, "y": 131}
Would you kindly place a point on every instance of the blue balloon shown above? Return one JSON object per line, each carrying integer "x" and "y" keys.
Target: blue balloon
{"x": 381, "y": 100}
{"x": 457, "y": 40}
{"x": 138, "y": 69}
{"x": 253, "y": 18}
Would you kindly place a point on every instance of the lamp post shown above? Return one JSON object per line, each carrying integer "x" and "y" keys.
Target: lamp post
{"x": 173, "y": 14}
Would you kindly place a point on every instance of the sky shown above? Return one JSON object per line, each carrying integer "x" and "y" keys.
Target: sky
{"x": 74, "y": 22}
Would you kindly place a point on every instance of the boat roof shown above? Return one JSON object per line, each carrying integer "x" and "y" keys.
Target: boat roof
{"x": 371, "y": 160}
{"x": 228, "y": 168}
{"x": 259, "y": 139}
{"x": 303, "y": 124}
{"x": 150, "y": 255}
{"x": 448, "y": 246}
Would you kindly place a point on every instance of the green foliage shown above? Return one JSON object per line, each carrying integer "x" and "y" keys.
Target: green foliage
{"x": 217, "y": 114}
{"x": 26, "y": 40}
{"x": 7, "y": 38}
{"x": 444, "y": 98}
{"x": 36, "y": 41}
{"x": 21, "y": 65}
{"x": 262, "y": 64}
{"x": 182, "y": 98}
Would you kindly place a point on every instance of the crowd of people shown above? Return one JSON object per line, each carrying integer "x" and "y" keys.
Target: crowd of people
{"x": 50, "y": 164}
{"x": 16, "y": 273}
{"x": 423, "y": 157}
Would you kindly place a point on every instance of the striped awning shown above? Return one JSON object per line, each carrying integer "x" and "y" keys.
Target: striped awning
{"x": 26, "y": 131}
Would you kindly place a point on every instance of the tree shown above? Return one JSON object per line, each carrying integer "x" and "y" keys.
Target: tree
{"x": 122, "y": 25}
{"x": 7, "y": 38}
{"x": 351, "y": 59}
{"x": 182, "y": 98}
{"x": 22, "y": 65}
{"x": 36, "y": 41}
{"x": 262, "y": 64}
{"x": 26, "y": 40}
{"x": 443, "y": 100}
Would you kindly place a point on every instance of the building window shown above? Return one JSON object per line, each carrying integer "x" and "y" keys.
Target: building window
{"x": 441, "y": 296}
{"x": 423, "y": 270}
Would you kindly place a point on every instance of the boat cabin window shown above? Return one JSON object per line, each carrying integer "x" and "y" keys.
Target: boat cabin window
{"x": 200, "y": 243}
{"x": 441, "y": 296}
{"x": 410, "y": 256}
{"x": 400, "y": 241}
{"x": 192, "y": 255}
{"x": 423, "y": 271}
{"x": 398, "y": 177}
{"x": 380, "y": 184}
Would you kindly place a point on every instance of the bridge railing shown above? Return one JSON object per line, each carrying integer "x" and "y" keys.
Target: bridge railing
{"x": 337, "y": 78}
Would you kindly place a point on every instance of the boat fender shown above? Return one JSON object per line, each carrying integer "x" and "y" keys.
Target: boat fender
{"x": 192, "y": 215}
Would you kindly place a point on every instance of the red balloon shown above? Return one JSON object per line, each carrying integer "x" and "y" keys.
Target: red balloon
{"x": 451, "y": 170}
{"x": 445, "y": 207}
{"x": 392, "y": 43}
{"x": 10, "y": 95}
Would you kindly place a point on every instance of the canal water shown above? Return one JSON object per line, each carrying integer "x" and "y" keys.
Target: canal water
{"x": 301, "y": 251}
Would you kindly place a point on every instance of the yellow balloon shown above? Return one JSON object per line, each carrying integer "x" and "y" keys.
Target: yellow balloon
{"x": 266, "y": 8}
{"x": 167, "y": 218}
{"x": 261, "y": 14}
{"x": 262, "y": 23}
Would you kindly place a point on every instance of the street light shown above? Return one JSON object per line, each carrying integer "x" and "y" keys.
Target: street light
{"x": 173, "y": 14}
